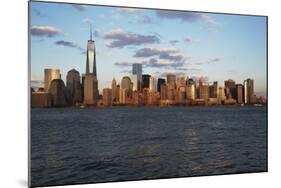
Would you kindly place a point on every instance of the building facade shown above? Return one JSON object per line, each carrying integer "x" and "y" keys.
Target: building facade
{"x": 137, "y": 70}
{"x": 49, "y": 75}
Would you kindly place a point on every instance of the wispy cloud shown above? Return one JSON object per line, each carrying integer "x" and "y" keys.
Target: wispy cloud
{"x": 79, "y": 7}
{"x": 36, "y": 80}
{"x": 185, "y": 16}
{"x": 121, "y": 39}
{"x": 153, "y": 63}
{"x": 212, "y": 60}
{"x": 173, "y": 42}
{"x": 129, "y": 10}
{"x": 148, "y": 52}
{"x": 45, "y": 31}
{"x": 38, "y": 13}
{"x": 70, "y": 45}
{"x": 87, "y": 20}
{"x": 164, "y": 63}
{"x": 145, "y": 19}
{"x": 188, "y": 39}
{"x": 128, "y": 63}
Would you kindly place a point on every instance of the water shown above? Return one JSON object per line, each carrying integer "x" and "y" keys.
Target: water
{"x": 72, "y": 146}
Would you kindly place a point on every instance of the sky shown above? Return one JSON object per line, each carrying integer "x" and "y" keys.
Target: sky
{"x": 207, "y": 46}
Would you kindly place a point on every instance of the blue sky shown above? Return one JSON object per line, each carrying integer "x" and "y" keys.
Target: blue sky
{"x": 214, "y": 47}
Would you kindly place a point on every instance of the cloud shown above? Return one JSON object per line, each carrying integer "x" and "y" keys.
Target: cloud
{"x": 96, "y": 34}
{"x": 121, "y": 39}
{"x": 159, "y": 63}
{"x": 70, "y": 45}
{"x": 79, "y": 7}
{"x": 144, "y": 19}
{"x": 213, "y": 60}
{"x": 129, "y": 10}
{"x": 87, "y": 20}
{"x": 188, "y": 39}
{"x": 39, "y": 13}
{"x": 36, "y": 80}
{"x": 44, "y": 31}
{"x": 185, "y": 16}
{"x": 128, "y": 63}
{"x": 172, "y": 57}
{"x": 148, "y": 52}
{"x": 187, "y": 69}
{"x": 173, "y": 42}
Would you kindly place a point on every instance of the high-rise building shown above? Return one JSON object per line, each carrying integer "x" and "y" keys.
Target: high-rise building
{"x": 239, "y": 93}
{"x": 181, "y": 94}
{"x": 49, "y": 75}
{"x": 91, "y": 93}
{"x": 163, "y": 91}
{"x": 91, "y": 56}
{"x": 134, "y": 80}
{"x": 249, "y": 96}
{"x": 190, "y": 89}
{"x": 221, "y": 95}
{"x": 107, "y": 97}
{"x": 137, "y": 70}
{"x": 122, "y": 96}
{"x": 145, "y": 81}
{"x": 73, "y": 87}
{"x": 171, "y": 80}
{"x": 230, "y": 89}
{"x": 214, "y": 90}
{"x": 58, "y": 93}
{"x": 181, "y": 82}
{"x": 126, "y": 83}
{"x": 114, "y": 88}
{"x": 204, "y": 92}
{"x": 117, "y": 93}
{"x": 152, "y": 84}
{"x": 159, "y": 83}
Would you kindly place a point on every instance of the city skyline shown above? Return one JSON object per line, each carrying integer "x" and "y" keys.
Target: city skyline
{"x": 159, "y": 48}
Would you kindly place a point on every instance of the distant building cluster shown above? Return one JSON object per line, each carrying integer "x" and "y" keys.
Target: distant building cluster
{"x": 137, "y": 89}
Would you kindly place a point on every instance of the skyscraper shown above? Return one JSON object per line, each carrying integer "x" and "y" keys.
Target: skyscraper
{"x": 107, "y": 97}
{"x": 91, "y": 56}
{"x": 73, "y": 87}
{"x": 91, "y": 93}
{"x": 249, "y": 96}
{"x": 137, "y": 70}
{"x": 126, "y": 83}
{"x": 230, "y": 88}
{"x": 204, "y": 92}
{"x": 159, "y": 83}
{"x": 214, "y": 90}
{"x": 190, "y": 89}
{"x": 145, "y": 81}
{"x": 57, "y": 91}
{"x": 239, "y": 93}
{"x": 49, "y": 75}
{"x": 134, "y": 80}
{"x": 114, "y": 89}
{"x": 152, "y": 84}
{"x": 163, "y": 91}
{"x": 171, "y": 80}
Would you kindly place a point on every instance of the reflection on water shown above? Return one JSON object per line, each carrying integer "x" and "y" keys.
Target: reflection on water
{"x": 71, "y": 146}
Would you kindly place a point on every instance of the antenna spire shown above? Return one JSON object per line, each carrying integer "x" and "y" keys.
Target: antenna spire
{"x": 91, "y": 31}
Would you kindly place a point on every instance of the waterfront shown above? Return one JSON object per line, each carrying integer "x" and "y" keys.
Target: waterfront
{"x": 70, "y": 146}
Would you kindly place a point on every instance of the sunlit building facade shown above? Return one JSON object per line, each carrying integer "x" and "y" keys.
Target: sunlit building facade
{"x": 49, "y": 75}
